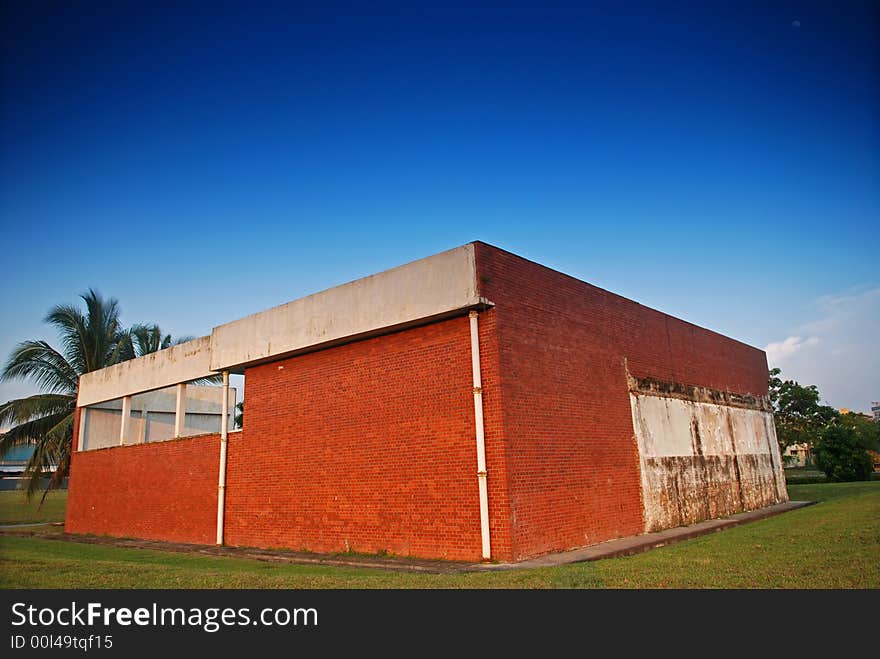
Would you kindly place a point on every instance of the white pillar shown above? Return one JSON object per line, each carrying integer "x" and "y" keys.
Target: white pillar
{"x": 83, "y": 418}
{"x": 126, "y": 419}
{"x": 180, "y": 411}
{"x": 224, "y": 440}
{"x": 144, "y": 420}
{"x": 481, "y": 437}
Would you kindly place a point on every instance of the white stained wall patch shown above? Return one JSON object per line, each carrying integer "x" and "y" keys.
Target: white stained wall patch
{"x": 702, "y": 460}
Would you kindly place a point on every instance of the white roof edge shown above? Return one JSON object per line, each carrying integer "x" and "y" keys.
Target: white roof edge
{"x": 428, "y": 288}
{"x": 180, "y": 363}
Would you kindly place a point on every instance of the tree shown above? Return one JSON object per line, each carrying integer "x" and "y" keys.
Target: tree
{"x": 866, "y": 429}
{"x": 800, "y": 417}
{"x": 239, "y": 415}
{"x": 839, "y": 455}
{"x": 90, "y": 340}
{"x": 145, "y": 339}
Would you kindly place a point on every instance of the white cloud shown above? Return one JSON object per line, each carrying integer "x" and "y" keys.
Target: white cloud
{"x": 838, "y": 350}
{"x": 779, "y": 351}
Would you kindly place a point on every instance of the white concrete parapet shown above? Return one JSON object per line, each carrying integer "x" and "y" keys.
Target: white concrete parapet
{"x": 432, "y": 287}
{"x": 422, "y": 289}
{"x": 181, "y": 363}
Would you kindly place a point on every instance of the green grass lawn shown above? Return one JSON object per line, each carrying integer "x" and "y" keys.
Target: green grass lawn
{"x": 835, "y": 544}
{"x": 16, "y": 509}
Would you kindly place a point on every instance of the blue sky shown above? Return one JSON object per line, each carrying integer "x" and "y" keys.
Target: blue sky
{"x": 719, "y": 162}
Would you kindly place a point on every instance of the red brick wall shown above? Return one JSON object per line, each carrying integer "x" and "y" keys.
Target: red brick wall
{"x": 160, "y": 491}
{"x": 370, "y": 446}
{"x": 571, "y": 456}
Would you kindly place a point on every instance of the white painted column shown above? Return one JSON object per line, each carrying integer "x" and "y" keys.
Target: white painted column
{"x": 126, "y": 419}
{"x": 180, "y": 410}
{"x": 144, "y": 420}
{"x": 83, "y": 418}
{"x": 224, "y": 440}
{"x": 481, "y": 437}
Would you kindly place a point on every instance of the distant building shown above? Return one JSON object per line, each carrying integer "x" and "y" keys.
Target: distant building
{"x": 15, "y": 460}
{"x": 875, "y": 410}
{"x": 13, "y": 465}
{"x": 846, "y": 410}
{"x": 796, "y": 455}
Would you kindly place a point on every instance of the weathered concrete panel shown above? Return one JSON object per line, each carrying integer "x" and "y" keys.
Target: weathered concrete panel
{"x": 701, "y": 460}
{"x": 101, "y": 428}
{"x": 422, "y": 289}
{"x": 181, "y": 363}
{"x": 669, "y": 429}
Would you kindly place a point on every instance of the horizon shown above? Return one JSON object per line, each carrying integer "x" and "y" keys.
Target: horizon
{"x": 238, "y": 380}
{"x": 720, "y": 164}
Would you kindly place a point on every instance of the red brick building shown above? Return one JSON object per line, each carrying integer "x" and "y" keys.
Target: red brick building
{"x": 472, "y": 404}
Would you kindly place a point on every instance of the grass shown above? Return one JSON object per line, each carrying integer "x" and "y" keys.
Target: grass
{"x": 834, "y": 544}
{"x": 16, "y": 509}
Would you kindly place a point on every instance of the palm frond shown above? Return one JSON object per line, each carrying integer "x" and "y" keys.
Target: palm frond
{"x": 51, "y": 436}
{"x": 58, "y": 476}
{"x": 60, "y": 450}
{"x": 121, "y": 350}
{"x": 45, "y": 366}
{"x": 126, "y": 349}
{"x": 49, "y": 455}
{"x": 103, "y": 329}
{"x": 32, "y": 432}
{"x": 26, "y": 409}
{"x": 71, "y": 325}
{"x": 61, "y": 432}
{"x": 149, "y": 339}
{"x": 90, "y": 340}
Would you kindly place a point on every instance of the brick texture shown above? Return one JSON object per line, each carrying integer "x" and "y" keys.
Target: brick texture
{"x": 159, "y": 491}
{"x": 564, "y": 347}
{"x": 368, "y": 447}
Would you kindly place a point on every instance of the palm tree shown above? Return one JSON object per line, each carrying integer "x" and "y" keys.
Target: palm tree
{"x": 239, "y": 415}
{"x": 144, "y": 339}
{"x": 89, "y": 341}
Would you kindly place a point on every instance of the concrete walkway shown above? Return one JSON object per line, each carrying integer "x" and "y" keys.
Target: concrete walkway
{"x": 24, "y": 525}
{"x": 613, "y": 548}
